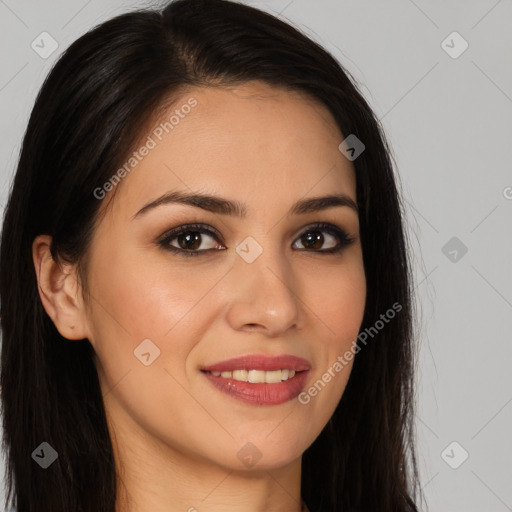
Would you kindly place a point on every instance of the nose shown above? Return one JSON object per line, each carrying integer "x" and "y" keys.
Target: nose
{"x": 263, "y": 295}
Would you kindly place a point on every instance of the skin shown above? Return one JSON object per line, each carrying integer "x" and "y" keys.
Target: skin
{"x": 176, "y": 436}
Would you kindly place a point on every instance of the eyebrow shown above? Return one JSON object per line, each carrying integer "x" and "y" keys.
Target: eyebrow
{"x": 224, "y": 206}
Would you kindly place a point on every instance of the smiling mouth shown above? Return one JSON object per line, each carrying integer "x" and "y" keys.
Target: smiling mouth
{"x": 256, "y": 376}
{"x": 259, "y": 387}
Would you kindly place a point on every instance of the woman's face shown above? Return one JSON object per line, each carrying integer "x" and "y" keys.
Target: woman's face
{"x": 261, "y": 284}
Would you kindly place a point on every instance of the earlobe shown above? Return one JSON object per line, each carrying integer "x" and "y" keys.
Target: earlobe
{"x": 59, "y": 291}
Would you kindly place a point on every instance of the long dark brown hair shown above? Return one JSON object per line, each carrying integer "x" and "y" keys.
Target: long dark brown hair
{"x": 86, "y": 119}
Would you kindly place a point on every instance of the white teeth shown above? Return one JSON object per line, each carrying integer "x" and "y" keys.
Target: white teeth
{"x": 240, "y": 375}
{"x": 257, "y": 376}
{"x": 273, "y": 376}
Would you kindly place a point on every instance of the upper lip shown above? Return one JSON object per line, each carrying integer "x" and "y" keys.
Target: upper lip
{"x": 260, "y": 362}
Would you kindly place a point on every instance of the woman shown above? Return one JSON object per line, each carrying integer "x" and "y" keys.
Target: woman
{"x": 205, "y": 287}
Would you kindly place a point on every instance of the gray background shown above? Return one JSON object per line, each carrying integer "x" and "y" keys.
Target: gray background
{"x": 450, "y": 126}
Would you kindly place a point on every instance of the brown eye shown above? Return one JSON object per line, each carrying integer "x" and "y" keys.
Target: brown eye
{"x": 187, "y": 240}
{"x": 314, "y": 239}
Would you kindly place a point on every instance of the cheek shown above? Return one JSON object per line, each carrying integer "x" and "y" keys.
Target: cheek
{"x": 148, "y": 307}
{"x": 337, "y": 298}
{"x": 148, "y": 296}
{"x": 137, "y": 298}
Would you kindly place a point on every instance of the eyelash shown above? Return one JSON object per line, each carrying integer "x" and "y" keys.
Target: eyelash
{"x": 343, "y": 237}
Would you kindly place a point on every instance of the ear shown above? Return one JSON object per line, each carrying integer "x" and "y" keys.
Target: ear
{"x": 59, "y": 291}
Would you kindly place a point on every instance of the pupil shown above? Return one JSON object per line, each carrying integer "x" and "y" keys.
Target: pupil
{"x": 195, "y": 238}
{"x": 313, "y": 239}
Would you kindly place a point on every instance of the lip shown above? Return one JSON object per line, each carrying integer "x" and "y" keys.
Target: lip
{"x": 260, "y": 362}
{"x": 262, "y": 393}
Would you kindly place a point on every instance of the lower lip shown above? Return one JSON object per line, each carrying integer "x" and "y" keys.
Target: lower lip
{"x": 263, "y": 393}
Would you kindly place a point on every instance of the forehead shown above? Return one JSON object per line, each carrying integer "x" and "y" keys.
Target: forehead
{"x": 252, "y": 142}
